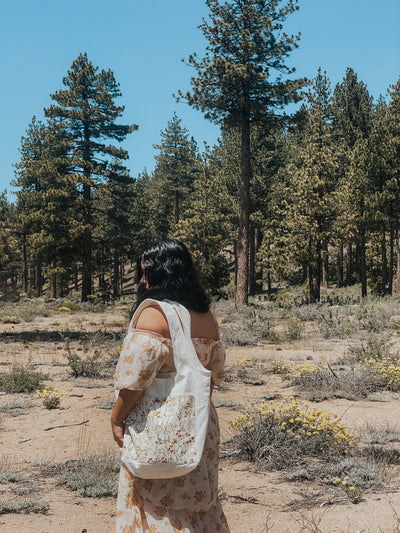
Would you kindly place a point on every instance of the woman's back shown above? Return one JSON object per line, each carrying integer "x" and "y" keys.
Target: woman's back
{"x": 203, "y": 325}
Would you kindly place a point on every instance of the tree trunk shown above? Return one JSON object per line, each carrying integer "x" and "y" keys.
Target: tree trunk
{"x": 76, "y": 279}
{"x": 121, "y": 276}
{"x": 325, "y": 267}
{"x": 340, "y": 265}
{"x": 87, "y": 246}
{"x": 349, "y": 261}
{"x": 116, "y": 274}
{"x": 25, "y": 266}
{"x": 363, "y": 266}
{"x": 269, "y": 285}
{"x": 385, "y": 282}
{"x": 358, "y": 262}
{"x": 304, "y": 273}
{"x": 236, "y": 260}
{"x": 244, "y": 214}
{"x": 252, "y": 262}
{"x": 53, "y": 281}
{"x": 259, "y": 270}
{"x": 398, "y": 263}
{"x": 391, "y": 264}
{"x": 318, "y": 269}
{"x": 310, "y": 271}
{"x": 38, "y": 277}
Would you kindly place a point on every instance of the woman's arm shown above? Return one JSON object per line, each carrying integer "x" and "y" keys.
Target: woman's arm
{"x": 152, "y": 320}
{"x": 125, "y": 401}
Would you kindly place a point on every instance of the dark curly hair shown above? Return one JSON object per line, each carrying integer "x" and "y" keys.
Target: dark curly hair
{"x": 170, "y": 274}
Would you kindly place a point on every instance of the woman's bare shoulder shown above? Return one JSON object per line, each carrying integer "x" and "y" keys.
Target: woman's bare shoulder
{"x": 153, "y": 319}
{"x": 204, "y": 325}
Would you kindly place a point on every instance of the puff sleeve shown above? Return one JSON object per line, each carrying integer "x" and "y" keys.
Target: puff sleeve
{"x": 141, "y": 358}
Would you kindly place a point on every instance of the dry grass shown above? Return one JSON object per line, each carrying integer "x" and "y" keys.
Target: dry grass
{"x": 93, "y": 476}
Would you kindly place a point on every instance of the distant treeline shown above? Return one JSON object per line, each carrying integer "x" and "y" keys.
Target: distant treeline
{"x": 322, "y": 205}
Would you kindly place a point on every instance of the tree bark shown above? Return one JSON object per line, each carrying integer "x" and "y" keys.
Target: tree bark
{"x": 252, "y": 261}
{"x": 116, "y": 275}
{"x": 340, "y": 265}
{"x": 121, "y": 275}
{"x": 325, "y": 267}
{"x": 363, "y": 266}
{"x": 349, "y": 261}
{"x": 398, "y": 263}
{"x": 53, "y": 281}
{"x": 259, "y": 270}
{"x": 38, "y": 277}
{"x": 391, "y": 263}
{"x": 318, "y": 269}
{"x": 310, "y": 271}
{"x": 87, "y": 246}
{"x": 385, "y": 282}
{"x": 25, "y": 266}
{"x": 244, "y": 214}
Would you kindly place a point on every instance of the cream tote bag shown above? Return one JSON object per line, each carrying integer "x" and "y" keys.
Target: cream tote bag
{"x": 166, "y": 429}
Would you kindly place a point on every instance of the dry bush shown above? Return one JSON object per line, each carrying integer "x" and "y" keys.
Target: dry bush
{"x": 250, "y": 371}
{"x": 280, "y": 435}
{"x": 374, "y": 314}
{"x": 24, "y": 507}
{"x": 21, "y": 378}
{"x": 379, "y": 435}
{"x": 95, "y": 476}
{"x": 8, "y": 473}
{"x": 17, "y": 408}
{"x": 245, "y": 325}
{"x": 374, "y": 346}
{"x": 321, "y": 381}
{"x": 294, "y": 329}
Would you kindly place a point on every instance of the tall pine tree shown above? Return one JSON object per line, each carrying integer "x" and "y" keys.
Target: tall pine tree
{"x": 239, "y": 82}
{"x": 87, "y": 112}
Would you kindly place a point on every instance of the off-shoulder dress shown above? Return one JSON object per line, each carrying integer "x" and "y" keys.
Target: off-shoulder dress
{"x": 189, "y": 503}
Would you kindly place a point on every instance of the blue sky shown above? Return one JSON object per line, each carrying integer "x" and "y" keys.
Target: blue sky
{"x": 143, "y": 43}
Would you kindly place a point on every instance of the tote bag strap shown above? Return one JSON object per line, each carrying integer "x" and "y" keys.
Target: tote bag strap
{"x": 178, "y": 318}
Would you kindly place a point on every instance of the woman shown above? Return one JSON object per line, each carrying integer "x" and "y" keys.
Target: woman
{"x": 187, "y": 503}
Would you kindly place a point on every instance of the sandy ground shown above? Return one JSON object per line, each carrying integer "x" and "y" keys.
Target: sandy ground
{"x": 254, "y": 502}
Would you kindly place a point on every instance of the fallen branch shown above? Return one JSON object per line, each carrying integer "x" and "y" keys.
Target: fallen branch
{"x": 66, "y": 425}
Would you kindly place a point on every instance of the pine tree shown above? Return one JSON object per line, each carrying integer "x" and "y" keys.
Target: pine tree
{"x": 309, "y": 194}
{"x": 174, "y": 174}
{"x": 394, "y": 129}
{"x": 384, "y": 200}
{"x": 9, "y": 256}
{"x": 114, "y": 235}
{"x": 46, "y": 201}
{"x": 352, "y": 114}
{"x": 237, "y": 85}
{"x": 205, "y": 229}
{"x": 86, "y": 111}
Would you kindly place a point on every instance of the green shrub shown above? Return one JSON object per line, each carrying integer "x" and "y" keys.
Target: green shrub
{"x": 21, "y": 378}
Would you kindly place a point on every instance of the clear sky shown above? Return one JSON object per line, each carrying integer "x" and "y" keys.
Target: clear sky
{"x": 143, "y": 43}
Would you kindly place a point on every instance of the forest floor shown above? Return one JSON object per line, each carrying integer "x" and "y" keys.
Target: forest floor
{"x": 38, "y": 445}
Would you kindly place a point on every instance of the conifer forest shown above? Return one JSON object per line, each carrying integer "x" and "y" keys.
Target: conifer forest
{"x": 301, "y": 189}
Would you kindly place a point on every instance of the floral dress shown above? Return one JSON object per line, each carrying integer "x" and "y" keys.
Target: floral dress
{"x": 189, "y": 503}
